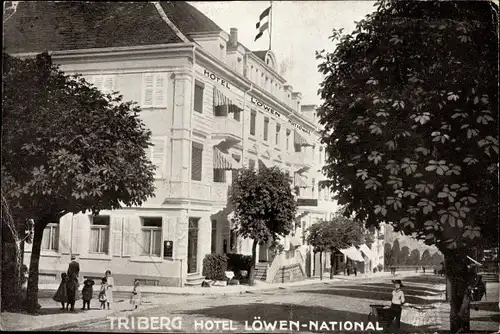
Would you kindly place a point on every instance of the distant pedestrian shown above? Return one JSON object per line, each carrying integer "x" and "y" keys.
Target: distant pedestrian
{"x": 72, "y": 285}
{"x": 355, "y": 271}
{"x": 423, "y": 269}
{"x": 416, "y": 269}
{"x": 87, "y": 293}
{"x": 61, "y": 295}
{"x": 109, "y": 290}
{"x": 348, "y": 270}
{"x": 136, "y": 297}
{"x": 102, "y": 293}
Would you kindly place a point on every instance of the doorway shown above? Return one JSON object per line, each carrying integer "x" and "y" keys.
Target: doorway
{"x": 192, "y": 260}
{"x": 263, "y": 253}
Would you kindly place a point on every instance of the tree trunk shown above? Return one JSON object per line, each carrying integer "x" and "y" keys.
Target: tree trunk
{"x": 321, "y": 265}
{"x": 251, "y": 276}
{"x": 457, "y": 279}
{"x": 331, "y": 264}
{"x": 32, "y": 293}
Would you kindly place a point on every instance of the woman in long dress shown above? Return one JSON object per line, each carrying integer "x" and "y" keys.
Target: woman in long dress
{"x": 61, "y": 295}
{"x": 109, "y": 290}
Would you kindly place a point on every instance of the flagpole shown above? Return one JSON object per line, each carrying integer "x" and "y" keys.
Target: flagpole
{"x": 270, "y": 25}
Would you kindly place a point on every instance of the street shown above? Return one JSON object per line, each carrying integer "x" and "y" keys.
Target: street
{"x": 306, "y": 306}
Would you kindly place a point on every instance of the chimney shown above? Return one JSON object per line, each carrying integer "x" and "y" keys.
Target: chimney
{"x": 233, "y": 37}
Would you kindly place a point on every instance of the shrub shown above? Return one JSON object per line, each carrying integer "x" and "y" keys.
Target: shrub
{"x": 374, "y": 270}
{"x": 215, "y": 266}
{"x": 380, "y": 267}
{"x": 239, "y": 262}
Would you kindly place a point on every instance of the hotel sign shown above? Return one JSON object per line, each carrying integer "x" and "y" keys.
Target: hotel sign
{"x": 214, "y": 77}
{"x": 307, "y": 202}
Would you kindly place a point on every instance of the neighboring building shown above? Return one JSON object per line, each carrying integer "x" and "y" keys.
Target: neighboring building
{"x": 213, "y": 107}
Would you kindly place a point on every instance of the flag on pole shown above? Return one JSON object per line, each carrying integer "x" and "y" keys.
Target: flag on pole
{"x": 263, "y": 24}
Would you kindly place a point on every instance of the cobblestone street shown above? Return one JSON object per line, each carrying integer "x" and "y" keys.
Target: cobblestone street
{"x": 309, "y": 306}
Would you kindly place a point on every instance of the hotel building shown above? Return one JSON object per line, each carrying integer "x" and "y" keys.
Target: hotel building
{"x": 213, "y": 107}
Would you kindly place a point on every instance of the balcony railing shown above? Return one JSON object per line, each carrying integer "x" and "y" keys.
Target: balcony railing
{"x": 227, "y": 127}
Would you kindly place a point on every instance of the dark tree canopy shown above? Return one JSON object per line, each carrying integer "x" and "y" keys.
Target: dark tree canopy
{"x": 410, "y": 118}
{"x": 414, "y": 258}
{"x": 264, "y": 205}
{"x": 332, "y": 235}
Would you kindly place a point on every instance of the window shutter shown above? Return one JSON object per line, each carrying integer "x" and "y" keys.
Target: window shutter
{"x": 127, "y": 237}
{"x": 158, "y": 156}
{"x": 148, "y": 90}
{"x": 109, "y": 84}
{"x": 196, "y": 162}
{"x": 198, "y": 98}
{"x": 75, "y": 238}
{"x": 160, "y": 90}
{"x": 116, "y": 236}
{"x": 97, "y": 80}
{"x": 64, "y": 233}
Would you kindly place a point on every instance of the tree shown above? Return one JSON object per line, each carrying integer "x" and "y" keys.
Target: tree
{"x": 414, "y": 259}
{"x": 436, "y": 259}
{"x": 426, "y": 258}
{"x": 264, "y": 207}
{"x": 316, "y": 239}
{"x": 404, "y": 256}
{"x": 395, "y": 252}
{"x": 388, "y": 254}
{"x": 410, "y": 126}
{"x": 67, "y": 148}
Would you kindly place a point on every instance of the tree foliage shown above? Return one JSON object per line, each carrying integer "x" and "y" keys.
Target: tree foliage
{"x": 426, "y": 258}
{"x": 404, "y": 256}
{"x": 395, "y": 252}
{"x": 67, "y": 148}
{"x": 414, "y": 258}
{"x": 332, "y": 235}
{"x": 410, "y": 120}
{"x": 388, "y": 254}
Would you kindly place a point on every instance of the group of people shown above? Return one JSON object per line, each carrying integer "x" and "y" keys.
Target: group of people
{"x": 67, "y": 293}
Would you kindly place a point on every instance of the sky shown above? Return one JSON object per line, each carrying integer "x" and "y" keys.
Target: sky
{"x": 299, "y": 29}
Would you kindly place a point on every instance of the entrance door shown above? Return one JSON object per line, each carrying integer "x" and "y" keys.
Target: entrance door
{"x": 263, "y": 255}
{"x": 193, "y": 245}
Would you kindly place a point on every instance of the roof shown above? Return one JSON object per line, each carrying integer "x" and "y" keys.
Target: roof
{"x": 52, "y": 26}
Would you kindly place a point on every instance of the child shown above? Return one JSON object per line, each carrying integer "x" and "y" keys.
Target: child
{"x": 61, "y": 295}
{"x": 136, "y": 297}
{"x": 102, "y": 293}
{"x": 87, "y": 293}
{"x": 398, "y": 300}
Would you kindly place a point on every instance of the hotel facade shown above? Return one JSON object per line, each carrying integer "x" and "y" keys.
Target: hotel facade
{"x": 213, "y": 107}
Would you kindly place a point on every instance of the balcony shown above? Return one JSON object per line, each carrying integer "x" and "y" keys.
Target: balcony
{"x": 227, "y": 128}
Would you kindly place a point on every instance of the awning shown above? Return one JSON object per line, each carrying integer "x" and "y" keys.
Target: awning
{"x": 299, "y": 139}
{"x": 295, "y": 242}
{"x": 225, "y": 161}
{"x": 353, "y": 254}
{"x": 368, "y": 252}
{"x": 221, "y": 99}
{"x": 475, "y": 262}
{"x": 300, "y": 181}
{"x": 302, "y": 169}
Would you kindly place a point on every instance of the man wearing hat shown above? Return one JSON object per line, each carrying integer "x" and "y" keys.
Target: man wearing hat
{"x": 397, "y": 302}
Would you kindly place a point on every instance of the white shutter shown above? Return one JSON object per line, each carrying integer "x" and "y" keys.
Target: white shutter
{"x": 116, "y": 236}
{"x": 127, "y": 240}
{"x": 135, "y": 236}
{"x": 79, "y": 241}
{"x": 158, "y": 155}
{"x": 98, "y": 80}
{"x": 109, "y": 84}
{"x": 160, "y": 90}
{"x": 148, "y": 90}
{"x": 64, "y": 233}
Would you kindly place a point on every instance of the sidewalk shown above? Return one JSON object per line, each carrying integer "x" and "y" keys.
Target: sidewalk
{"x": 51, "y": 317}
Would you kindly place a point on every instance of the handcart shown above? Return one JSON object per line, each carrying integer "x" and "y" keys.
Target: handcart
{"x": 381, "y": 314}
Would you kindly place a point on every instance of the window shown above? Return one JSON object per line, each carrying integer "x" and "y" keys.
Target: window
{"x": 278, "y": 129}
{"x": 232, "y": 241}
{"x": 288, "y": 139}
{"x": 154, "y": 90}
{"x": 298, "y": 148}
{"x": 50, "y": 238}
{"x": 253, "y": 116}
{"x": 266, "y": 128}
{"x": 251, "y": 164}
{"x": 214, "y": 236}
{"x": 151, "y": 236}
{"x": 235, "y": 172}
{"x": 237, "y": 115}
{"x": 99, "y": 234}
{"x": 198, "y": 96}
{"x": 297, "y": 191}
{"x": 219, "y": 175}
{"x": 196, "y": 161}
{"x": 304, "y": 229}
{"x": 105, "y": 83}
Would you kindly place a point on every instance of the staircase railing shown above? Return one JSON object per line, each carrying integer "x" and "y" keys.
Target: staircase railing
{"x": 273, "y": 269}
{"x": 301, "y": 261}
